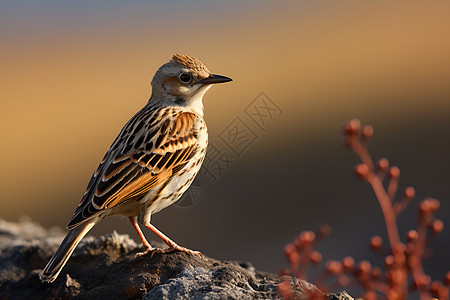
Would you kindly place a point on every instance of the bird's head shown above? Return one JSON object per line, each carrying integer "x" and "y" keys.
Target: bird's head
{"x": 182, "y": 82}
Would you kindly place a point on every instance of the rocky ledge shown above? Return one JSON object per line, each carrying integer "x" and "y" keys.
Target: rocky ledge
{"x": 106, "y": 268}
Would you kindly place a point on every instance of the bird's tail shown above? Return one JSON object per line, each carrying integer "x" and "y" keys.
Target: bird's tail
{"x": 64, "y": 251}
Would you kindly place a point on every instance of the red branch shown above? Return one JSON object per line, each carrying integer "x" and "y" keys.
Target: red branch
{"x": 403, "y": 261}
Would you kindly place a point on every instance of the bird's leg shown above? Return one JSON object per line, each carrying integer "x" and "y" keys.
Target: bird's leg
{"x": 147, "y": 246}
{"x": 172, "y": 245}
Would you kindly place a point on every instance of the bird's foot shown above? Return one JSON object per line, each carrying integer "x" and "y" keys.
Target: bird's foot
{"x": 175, "y": 247}
{"x": 147, "y": 250}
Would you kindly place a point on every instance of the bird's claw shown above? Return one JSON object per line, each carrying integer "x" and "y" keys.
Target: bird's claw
{"x": 177, "y": 248}
{"x": 172, "y": 248}
{"x": 152, "y": 251}
{"x": 145, "y": 252}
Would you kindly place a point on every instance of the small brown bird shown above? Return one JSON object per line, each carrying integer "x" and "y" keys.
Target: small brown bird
{"x": 152, "y": 162}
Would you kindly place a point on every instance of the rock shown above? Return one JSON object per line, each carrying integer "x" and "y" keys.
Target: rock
{"x": 106, "y": 268}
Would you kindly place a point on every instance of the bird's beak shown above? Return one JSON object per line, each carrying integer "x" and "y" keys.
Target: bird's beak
{"x": 214, "y": 78}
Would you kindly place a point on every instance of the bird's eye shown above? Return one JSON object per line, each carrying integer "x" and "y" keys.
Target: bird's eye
{"x": 185, "y": 78}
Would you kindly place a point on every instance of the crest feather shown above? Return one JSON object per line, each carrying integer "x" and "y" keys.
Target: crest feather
{"x": 191, "y": 62}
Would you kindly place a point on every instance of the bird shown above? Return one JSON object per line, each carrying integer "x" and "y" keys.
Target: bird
{"x": 151, "y": 163}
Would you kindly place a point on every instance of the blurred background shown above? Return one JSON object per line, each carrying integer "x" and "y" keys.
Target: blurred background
{"x": 73, "y": 72}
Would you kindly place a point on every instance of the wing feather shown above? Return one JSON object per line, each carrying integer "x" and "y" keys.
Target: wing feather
{"x": 164, "y": 148}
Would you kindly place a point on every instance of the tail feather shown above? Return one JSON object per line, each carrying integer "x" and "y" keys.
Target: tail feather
{"x": 68, "y": 245}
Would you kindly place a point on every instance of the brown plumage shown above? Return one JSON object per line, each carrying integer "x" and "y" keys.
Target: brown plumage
{"x": 152, "y": 161}
{"x": 192, "y": 63}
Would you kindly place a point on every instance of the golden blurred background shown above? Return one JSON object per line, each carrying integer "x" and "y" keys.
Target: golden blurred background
{"x": 73, "y": 72}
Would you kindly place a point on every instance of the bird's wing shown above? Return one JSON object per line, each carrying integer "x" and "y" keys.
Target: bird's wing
{"x": 143, "y": 155}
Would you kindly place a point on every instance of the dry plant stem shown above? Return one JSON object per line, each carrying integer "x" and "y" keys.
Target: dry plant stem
{"x": 386, "y": 207}
{"x": 399, "y": 285}
{"x": 362, "y": 152}
{"x": 399, "y": 207}
{"x": 385, "y": 199}
{"x": 392, "y": 188}
{"x": 399, "y": 276}
{"x": 380, "y": 192}
{"x": 415, "y": 265}
{"x": 304, "y": 260}
{"x": 294, "y": 270}
{"x": 402, "y": 262}
{"x": 381, "y": 174}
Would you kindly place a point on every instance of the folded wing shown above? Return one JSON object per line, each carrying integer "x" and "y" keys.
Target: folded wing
{"x": 145, "y": 154}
